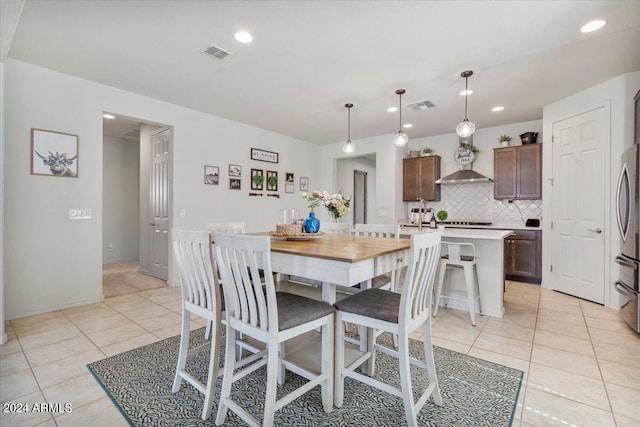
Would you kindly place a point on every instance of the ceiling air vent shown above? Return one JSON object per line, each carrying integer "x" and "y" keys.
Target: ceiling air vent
{"x": 132, "y": 133}
{"x": 216, "y": 52}
{"x": 421, "y": 106}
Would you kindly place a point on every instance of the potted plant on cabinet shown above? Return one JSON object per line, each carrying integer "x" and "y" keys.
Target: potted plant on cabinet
{"x": 426, "y": 151}
{"x": 504, "y": 140}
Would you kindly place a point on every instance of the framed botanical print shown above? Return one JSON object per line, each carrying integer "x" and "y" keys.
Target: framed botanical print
{"x": 272, "y": 181}
{"x": 54, "y": 153}
{"x": 257, "y": 179}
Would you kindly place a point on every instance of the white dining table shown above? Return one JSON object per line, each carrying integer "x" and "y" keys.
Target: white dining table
{"x": 338, "y": 260}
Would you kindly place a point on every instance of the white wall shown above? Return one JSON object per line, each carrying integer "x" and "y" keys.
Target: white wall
{"x": 55, "y": 263}
{"x": 617, "y": 95}
{"x": 120, "y": 195}
{"x": 388, "y": 180}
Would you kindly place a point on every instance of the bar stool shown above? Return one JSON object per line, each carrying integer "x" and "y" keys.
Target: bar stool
{"x": 453, "y": 258}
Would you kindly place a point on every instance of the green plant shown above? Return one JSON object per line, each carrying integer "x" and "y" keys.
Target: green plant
{"x": 442, "y": 215}
{"x": 258, "y": 179}
{"x": 272, "y": 181}
{"x": 473, "y": 149}
{"x": 427, "y": 150}
{"x": 504, "y": 138}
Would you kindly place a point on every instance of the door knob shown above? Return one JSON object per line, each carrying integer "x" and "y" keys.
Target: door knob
{"x": 597, "y": 230}
{"x": 152, "y": 223}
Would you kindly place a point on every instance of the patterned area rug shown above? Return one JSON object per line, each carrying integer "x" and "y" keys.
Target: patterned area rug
{"x": 474, "y": 392}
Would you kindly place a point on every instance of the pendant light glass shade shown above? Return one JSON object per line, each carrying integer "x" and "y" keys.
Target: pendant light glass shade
{"x": 400, "y": 139}
{"x": 466, "y": 128}
{"x": 348, "y": 147}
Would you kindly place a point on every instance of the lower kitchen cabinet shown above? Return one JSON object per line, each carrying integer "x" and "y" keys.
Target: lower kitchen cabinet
{"x": 523, "y": 256}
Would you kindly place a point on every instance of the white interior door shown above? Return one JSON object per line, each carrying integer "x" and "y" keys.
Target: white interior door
{"x": 578, "y": 210}
{"x": 160, "y": 204}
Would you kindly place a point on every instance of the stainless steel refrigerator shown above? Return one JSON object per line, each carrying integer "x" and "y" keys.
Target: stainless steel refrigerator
{"x": 628, "y": 215}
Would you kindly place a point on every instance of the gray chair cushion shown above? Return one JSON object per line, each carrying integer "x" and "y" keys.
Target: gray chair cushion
{"x": 294, "y": 310}
{"x": 375, "y": 303}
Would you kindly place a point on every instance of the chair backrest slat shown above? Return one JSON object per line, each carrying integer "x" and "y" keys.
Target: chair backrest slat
{"x": 240, "y": 257}
{"x": 418, "y": 285}
{"x": 225, "y": 227}
{"x": 336, "y": 227}
{"x": 377, "y": 230}
{"x": 194, "y": 257}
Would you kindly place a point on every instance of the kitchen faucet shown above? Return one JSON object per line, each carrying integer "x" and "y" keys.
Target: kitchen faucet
{"x": 420, "y": 210}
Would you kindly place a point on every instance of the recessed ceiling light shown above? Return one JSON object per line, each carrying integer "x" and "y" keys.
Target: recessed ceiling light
{"x": 407, "y": 125}
{"x": 243, "y": 37}
{"x": 593, "y": 26}
{"x": 392, "y": 109}
{"x": 497, "y": 108}
{"x": 108, "y": 116}
{"x": 466, "y": 92}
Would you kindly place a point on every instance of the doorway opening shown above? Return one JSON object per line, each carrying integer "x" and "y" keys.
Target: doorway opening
{"x": 127, "y": 245}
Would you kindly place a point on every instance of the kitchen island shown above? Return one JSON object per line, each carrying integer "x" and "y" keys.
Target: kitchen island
{"x": 489, "y": 245}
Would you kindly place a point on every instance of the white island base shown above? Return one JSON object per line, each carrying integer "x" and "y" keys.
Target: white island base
{"x": 489, "y": 245}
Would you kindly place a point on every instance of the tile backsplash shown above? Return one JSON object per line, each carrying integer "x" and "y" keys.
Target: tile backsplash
{"x": 475, "y": 201}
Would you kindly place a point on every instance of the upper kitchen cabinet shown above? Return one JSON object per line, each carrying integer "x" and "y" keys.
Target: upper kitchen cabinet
{"x": 419, "y": 177}
{"x": 517, "y": 172}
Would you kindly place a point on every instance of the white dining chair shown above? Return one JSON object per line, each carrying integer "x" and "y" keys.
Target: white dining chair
{"x": 200, "y": 296}
{"x": 385, "y": 281}
{"x": 336, "y": 227}
{"x": 270, "y": 317}
{"x": 227, "y": 228}
{"x": 398, "y": 314}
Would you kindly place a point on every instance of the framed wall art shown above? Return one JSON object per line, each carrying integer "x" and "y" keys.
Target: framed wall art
{"x": 272, "y": 181}
{"x": 235, "y": 170}
{"x": 54, "y": 153}
{"x": 257, "y": 179}
{"x": 235, "y": 184}
{"x": 288, "y": 187}
{"x": 264, "y": 156}
{"x": 211, "y": 175}
{"x": 289, "y": 177}
{"x": 304, "y": 183}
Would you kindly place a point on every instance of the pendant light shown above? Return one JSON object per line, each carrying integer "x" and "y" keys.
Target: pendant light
{"x": 348, "y": 146}
{"x": 400, "y": 139}
{"x": 466, "y": 128}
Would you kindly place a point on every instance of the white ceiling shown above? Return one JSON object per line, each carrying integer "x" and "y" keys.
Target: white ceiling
{"x": 309, "y": 58}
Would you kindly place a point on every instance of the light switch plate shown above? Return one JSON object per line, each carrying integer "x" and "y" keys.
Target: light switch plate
{"x": 79, "y": 213}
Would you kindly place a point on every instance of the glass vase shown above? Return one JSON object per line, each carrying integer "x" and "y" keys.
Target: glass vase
{"x": 311, "y": 224}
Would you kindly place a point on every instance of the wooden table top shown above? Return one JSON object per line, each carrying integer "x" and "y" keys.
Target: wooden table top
{"x": 341, "y": 247}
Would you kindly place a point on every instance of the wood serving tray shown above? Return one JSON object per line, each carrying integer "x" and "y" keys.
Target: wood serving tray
{"x": 300, "y": 236}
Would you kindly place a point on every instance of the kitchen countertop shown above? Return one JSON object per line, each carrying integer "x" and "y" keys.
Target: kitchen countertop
{"x": 462, "y": 233}
{"x": 500, "y": 225}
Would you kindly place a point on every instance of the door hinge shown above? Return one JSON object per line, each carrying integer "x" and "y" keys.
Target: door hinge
{"x": 551, "y": 268}
{"x": 552, "y": 225}
{"x": 552, "y": 138}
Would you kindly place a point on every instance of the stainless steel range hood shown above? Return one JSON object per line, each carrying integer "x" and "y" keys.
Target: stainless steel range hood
{"x": 463, "y": 176}
{"x": 466, "y": 174}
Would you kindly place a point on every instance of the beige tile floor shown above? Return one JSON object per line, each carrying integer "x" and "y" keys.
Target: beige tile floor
{"x": 581, "y": 363}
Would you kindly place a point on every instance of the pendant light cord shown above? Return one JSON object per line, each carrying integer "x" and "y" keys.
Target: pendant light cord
{"x": 400, "y": 108}
{"x": 466, "y": 95}
{"x": 349, "y": 124}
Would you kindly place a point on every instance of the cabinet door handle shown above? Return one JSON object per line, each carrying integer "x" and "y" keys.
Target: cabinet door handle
{"x": 597, "y": 230}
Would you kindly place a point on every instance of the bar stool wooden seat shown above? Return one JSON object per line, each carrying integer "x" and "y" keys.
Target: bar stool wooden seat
{"x": 454, "y": 258}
